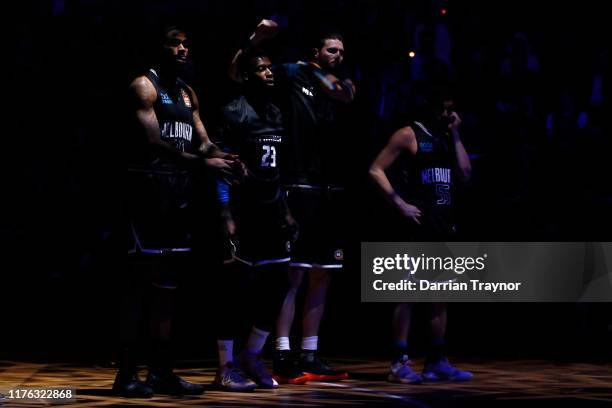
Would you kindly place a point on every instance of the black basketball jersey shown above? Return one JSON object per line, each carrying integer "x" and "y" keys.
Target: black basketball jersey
{"x": 253, "y": 128}
{"x": 426, "y": 179}
{"x": 314, "y": 138}
{"x": 160, "y": 191}
{"x": 174, "y": 111}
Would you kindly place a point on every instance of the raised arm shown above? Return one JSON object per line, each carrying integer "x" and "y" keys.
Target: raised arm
{"x": 341, "y": 90}
{"x": 464, "y": 166}
{"x": 265, "y": 29}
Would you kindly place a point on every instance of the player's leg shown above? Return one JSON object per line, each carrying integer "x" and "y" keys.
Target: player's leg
{"x": 401, "y": 366}
{"x": 229, "y": 320}
{"x": 127, "y": 382}
{"x": 284, "y": 364}
{"x": 267, "y": 297}
{"x": 287, "y": 312}
{"x": 326, "y": 254}
{"x": 299, "y": 206}
{"x": 437, "y": 367}
{"x": 161, "y": 377}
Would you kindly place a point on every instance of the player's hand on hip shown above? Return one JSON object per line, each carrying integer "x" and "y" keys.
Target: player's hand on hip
{"x": 410, "y": 211}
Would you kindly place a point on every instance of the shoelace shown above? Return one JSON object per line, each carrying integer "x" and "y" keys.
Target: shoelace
{"x": 235, "y": 375}
{"x": 406, "y": 366}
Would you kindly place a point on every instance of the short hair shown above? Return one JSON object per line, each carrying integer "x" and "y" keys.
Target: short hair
{"x": 320, "y": 41}
{"x": 244, "y": 63}
{"x": 436, "y": 95}
{"x": 167, "y": 30}
{"x": 429, "y": 99}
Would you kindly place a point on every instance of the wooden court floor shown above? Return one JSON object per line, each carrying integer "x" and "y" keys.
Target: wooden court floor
{"x": 496, "y": 383}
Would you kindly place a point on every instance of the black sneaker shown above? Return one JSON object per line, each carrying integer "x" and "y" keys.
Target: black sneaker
{"x": 255, "y": 369}
{"x": 230, "y": 378}
{"x": 170, "y": 383}
{"x": 318, "y": 369}
{"x": 128, "y": 385}
{"x": 285, "y": 368}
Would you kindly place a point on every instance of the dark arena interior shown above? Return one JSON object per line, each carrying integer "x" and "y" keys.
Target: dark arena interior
{"x": 530, "y": 81}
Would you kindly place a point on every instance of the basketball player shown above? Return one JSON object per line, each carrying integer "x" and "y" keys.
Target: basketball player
{"x": 313, "y": 95}
{"x": 431, "y": 158}
{"x": 168, "y": 147}
{"x": 258, "y": 221}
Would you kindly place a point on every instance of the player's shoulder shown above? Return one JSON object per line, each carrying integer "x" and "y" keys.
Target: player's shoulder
{"x": 404, "y": 136}
{"x": 141, "y": 82}
{"x": 237, "y": 103}
{"x": 142, "y": 88}
{"x": 289, "y": 69}
{"x": 235, "y": 109}
{"x": 405, "y": 132}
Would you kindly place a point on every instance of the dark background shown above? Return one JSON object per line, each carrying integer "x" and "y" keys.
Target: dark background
{"x": 540, "y": 169}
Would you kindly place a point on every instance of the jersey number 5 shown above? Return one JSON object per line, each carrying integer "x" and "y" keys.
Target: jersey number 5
{"x": 269, "y": 156}
{"x": 443, "y": 193}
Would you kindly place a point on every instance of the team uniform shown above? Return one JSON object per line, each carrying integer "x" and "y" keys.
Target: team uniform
{"x": 159, "y": 191}
{"x": 254, "y": 130}
{"x": 426, "y": 180}
{"x": 159, "y": 202}
{"x": 314, "y": 176}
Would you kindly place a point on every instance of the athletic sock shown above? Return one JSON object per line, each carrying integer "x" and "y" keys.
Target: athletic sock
{"x": 226, "y": 352}
{"x": 257, "y": 340}
{"x": 400, "y": 349}
{"x": 310, "y": 343}
{"x": 282, "y": 343}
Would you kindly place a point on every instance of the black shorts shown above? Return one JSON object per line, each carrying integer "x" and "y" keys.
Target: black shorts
{"x": 164, "y": 271}
{"x": 262, "y": 234}
{"x": 320, "y": 214}
{"x": 159, "y": 213}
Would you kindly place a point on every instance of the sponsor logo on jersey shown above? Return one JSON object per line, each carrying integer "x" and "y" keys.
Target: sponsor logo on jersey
{"x": 288, "y": 246}
{"x": 436, "y": 175}
{"x": 338, "y": 255}
{"x": 307, "y": 92}
{"x": 426, "y": 147}
{"x": 165, "y": 98}
{"x": 186, "y": 99}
